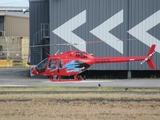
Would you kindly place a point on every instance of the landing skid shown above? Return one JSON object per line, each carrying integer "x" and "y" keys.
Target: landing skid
{"x": 65, "y": 80}
{"x": 76, "y": 79}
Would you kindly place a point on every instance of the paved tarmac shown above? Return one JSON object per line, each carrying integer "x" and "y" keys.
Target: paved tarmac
{"x": 13, "y": 77}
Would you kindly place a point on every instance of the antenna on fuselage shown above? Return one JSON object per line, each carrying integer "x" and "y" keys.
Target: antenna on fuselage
{"x": 48, "y": 54}
{"x": 56, "y": 52}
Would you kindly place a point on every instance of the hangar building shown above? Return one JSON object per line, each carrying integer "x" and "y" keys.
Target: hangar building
{"x": 126, "y": 28}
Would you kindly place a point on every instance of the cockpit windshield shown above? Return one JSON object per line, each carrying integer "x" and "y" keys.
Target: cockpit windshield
{"x": 41, "y": 67}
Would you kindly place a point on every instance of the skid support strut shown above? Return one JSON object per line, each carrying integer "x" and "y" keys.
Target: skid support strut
{"x": 76, "y": 79}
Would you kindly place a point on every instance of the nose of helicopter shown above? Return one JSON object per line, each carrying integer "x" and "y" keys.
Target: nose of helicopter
{"x": 34, "y": 71}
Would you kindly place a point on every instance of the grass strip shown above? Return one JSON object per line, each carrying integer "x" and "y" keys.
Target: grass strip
{"x": 56, "y": 88}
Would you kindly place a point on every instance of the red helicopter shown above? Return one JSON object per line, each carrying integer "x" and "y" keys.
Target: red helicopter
{"x": 72, "y": 63}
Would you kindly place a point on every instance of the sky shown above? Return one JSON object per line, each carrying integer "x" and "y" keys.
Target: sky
{"x": 17, "y": 3}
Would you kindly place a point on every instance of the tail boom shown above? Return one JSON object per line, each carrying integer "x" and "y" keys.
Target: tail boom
{"x": 118, "y": 59}
{"x": 144, "y": 59}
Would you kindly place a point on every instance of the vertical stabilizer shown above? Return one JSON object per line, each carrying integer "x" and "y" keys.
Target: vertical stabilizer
{"x": 148, "y": 59}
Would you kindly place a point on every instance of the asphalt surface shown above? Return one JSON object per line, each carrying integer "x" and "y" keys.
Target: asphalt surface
{"x": 15, "y": 77}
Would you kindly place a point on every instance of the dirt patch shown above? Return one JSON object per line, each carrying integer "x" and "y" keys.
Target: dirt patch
{"x": 80, "y": 107}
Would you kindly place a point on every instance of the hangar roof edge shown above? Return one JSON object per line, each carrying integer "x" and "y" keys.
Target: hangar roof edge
{"x": 8, "y": 14}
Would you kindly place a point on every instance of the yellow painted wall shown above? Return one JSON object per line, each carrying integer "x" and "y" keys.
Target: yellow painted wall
{"x": 5, "y": 63}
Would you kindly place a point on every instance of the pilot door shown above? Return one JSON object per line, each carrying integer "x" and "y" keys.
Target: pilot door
{"x": 52, "y": 65}
{"x": 55, "y": 65}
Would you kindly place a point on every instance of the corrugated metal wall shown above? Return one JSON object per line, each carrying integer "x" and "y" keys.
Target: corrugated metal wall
{"x": 16, "y": 26}
{"x": 127, "y": 27}
{"x": 39, "y": 13}
{"x": 144, "y": 19}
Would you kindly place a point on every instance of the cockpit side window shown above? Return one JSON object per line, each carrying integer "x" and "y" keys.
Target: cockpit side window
{"x": 52, "y": 64}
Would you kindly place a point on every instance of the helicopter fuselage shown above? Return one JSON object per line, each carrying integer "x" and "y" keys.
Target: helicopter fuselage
{"x": 73, "y": 63}
{"x": 66, "y": 64}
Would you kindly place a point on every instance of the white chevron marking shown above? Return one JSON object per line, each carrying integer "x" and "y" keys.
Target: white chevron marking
{"x": 102, "y": 31}
{"x": 140, "y": 30}
{"x": 65, "y": 30}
